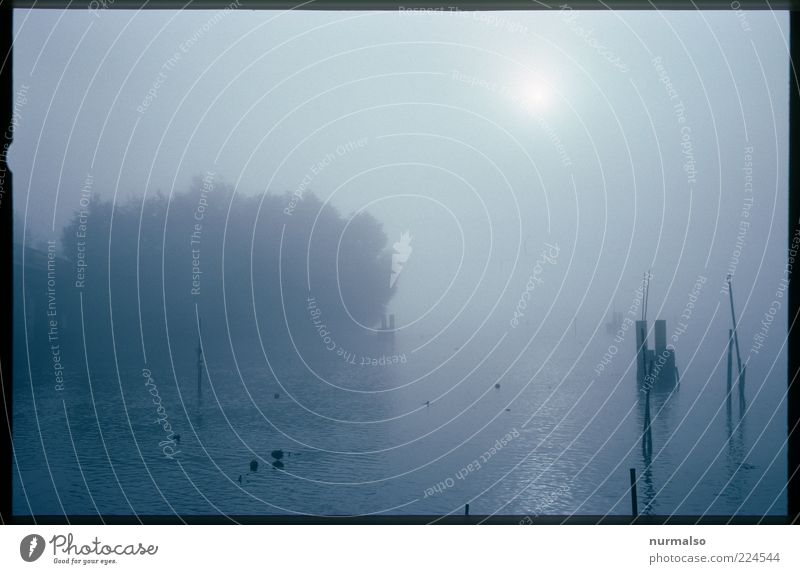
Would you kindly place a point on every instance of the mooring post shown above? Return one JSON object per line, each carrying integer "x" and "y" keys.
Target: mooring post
{"x": 634, "y": 502}
{"x": 199, "y": 364}
{"x": 647, "y": 436}
{"x": 730, "y": 369}
{"x": 740, "y": 378}
{"x": 641, "y": 351}
{"x": 735, "y": 332}
{"x": 741, "y": 392}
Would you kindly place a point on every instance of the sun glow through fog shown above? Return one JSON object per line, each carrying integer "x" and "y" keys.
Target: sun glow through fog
{"x": 536, "y": 96}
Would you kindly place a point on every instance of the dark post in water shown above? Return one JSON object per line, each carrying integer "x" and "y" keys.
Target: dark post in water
{"x": 199, "y": 365}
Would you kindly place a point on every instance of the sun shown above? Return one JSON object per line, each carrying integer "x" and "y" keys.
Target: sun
{"x": 537, "y": 96}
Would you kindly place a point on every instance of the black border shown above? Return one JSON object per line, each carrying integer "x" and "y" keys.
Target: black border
{"x": 7, "y": 268}
{"x": 395, "y": 5}
{"x": 6, "y": 264}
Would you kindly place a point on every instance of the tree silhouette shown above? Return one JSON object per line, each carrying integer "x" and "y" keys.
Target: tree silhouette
{"x": 240, "y": 262}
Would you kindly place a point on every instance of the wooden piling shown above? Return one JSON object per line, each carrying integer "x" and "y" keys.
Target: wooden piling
{"x": 647, "y": 433}
{"x": 634, "y": 502}
{"x": 741, "y": 370}
{"x": 742, "y": 405}
{"x": 660, "y": 327}
{"x": 730, "y": 369}
{"x": 199, "y": 366}
{"x": 641, "y": 351}
{"x": 735, "y": 334}
{"x": 466, "y": 510}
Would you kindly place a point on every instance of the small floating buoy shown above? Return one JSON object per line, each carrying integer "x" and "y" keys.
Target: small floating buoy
{"x": 240, "y": 479}
{"x": 427, "y": 403}
{"x": 497, "y": 385}
{"x": 253, "y": 465}
{"x": 508, "y": 410}
{"x": 277, "y": 395}
{"x": 177, "y": 438}
{"x": 277, "y": 454}
{"x": 277, "y": 464}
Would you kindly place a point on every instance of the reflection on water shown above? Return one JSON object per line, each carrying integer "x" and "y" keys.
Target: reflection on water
{"x": 503, "y": 442}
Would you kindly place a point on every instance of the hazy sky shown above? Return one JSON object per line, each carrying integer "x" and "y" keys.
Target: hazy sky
{"x": 540, "y": 164}
{"x": 621, "y": 138}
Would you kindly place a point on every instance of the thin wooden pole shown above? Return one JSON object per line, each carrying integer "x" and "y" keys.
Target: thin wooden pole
{"x": 634, "y": 502}
{"x": 741, "y": 393}
{"x": 735, "y": 334}
{"x": 199, "y": 365}
{"x": 644, "y": 296}
{"x": 647, "y": 433}
{"x": 740, "y": 379}
{"x": 642, "y": 349}
{"x": 729, "y": 384}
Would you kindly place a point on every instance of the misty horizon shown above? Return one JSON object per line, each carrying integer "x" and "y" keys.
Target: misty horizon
{"x": 439, "y": 226}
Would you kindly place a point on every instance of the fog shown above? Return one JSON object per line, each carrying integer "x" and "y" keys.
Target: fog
{"x": 496, "y": 183}
{"x": 262, "y": 98}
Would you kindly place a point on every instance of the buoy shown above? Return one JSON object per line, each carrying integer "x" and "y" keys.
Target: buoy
{"x": 240, "y": 479}
{"x": 497, "y": 385}
{"x": 277, "y": 395}
{"x": 277, "y": 464}
{"x": 253, "y": 465}
{"x": 277, "y": 454}
{"x": 177, "y": 438}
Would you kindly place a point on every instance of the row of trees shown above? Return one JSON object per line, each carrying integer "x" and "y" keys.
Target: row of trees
{"x": 245, "y": 263}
